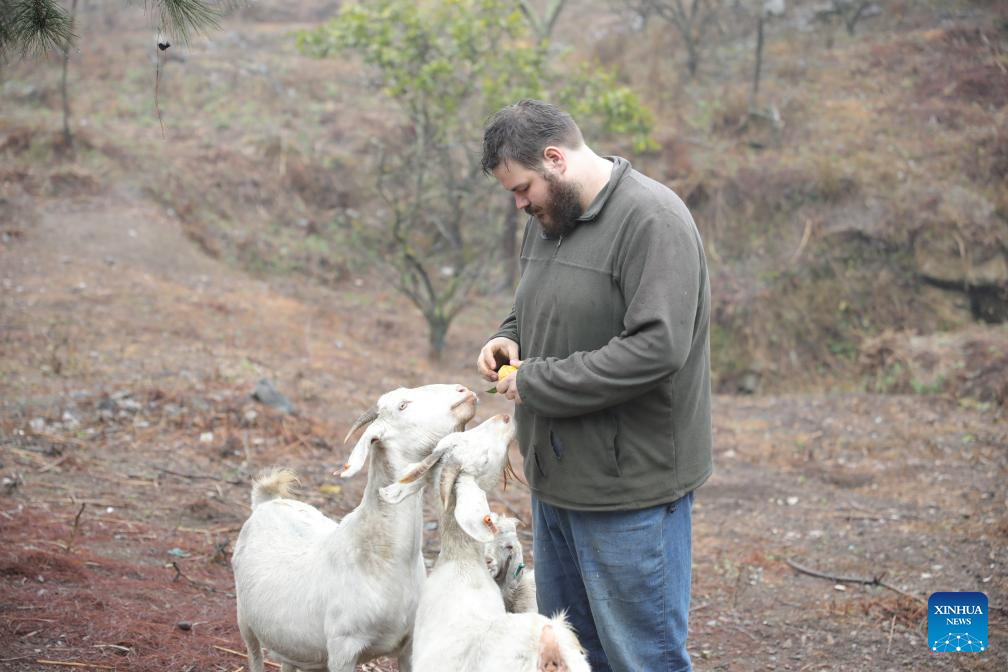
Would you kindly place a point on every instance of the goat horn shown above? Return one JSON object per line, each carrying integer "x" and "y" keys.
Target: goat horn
{"x": 367, "y": 416}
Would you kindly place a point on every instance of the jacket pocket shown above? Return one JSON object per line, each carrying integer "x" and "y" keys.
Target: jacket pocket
{"x": 532, "y": 438}
{"x": 584, "y": 444}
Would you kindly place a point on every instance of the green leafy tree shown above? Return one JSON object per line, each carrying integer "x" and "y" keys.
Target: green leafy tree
{"x": 447, "y": 65}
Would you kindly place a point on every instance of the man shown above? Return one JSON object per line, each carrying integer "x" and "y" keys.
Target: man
{"x": 612, "y": 395}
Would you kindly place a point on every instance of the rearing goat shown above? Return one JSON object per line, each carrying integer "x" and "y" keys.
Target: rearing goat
{"x": 326, "y": 595}
{"x": 461, "y": 623}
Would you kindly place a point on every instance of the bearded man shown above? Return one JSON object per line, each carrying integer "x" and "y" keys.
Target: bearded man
{"x": 609, "y": 332}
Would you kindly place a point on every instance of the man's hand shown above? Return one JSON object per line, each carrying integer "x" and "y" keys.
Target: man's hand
{"x": 509, "y": 386}
{"x": 496, "y": 352}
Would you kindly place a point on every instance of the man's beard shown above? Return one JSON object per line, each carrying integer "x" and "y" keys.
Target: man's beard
{"x": 559, "y": 214}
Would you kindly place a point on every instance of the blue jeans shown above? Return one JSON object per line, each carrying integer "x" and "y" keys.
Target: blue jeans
{"x": 623, "y": 578}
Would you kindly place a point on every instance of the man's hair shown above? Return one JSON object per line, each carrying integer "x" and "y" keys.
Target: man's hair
{"x": 521, "y": 132}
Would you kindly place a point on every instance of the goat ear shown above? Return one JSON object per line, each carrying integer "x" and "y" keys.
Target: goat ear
{"x": 412, "y": 481}
{"x": 472, "y": 511}
{"x": 398, "y": 491}
{"x": 449, "y": 472}
{"x": 360, "y": 452}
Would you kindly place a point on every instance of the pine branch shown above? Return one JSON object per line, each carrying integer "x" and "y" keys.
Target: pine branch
{"x": 179, "y": 19}
{"x": 33, "y": 27}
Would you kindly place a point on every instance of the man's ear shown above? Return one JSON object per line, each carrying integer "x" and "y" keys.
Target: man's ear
{"x": 555, "y": 159}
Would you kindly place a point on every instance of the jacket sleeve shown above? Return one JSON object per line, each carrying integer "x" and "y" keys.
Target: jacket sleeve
{"x": 658, "y": 267}
{"x": 508, "y": 328}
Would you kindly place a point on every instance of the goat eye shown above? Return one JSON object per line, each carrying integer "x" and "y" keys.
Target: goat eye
{"x": 403, "y": 404}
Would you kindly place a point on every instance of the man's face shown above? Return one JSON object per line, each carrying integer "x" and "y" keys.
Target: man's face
{"x": 554, "y": 201}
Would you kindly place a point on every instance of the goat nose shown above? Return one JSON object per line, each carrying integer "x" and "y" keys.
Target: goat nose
{"x": 506, "y": 418}
{"x": 461, "y": 389}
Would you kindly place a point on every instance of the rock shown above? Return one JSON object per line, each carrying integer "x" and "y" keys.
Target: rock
{"x": 11, "y": 483}
{"x": 70, "y": 421}
{"x": 265, "y": 393}
{"x": 108, "y": 405}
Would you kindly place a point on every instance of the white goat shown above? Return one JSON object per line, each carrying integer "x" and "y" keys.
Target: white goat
{"x": 461, "y": 623}
{"x": 326, "y": 595}
{"x": 506, "y": 563}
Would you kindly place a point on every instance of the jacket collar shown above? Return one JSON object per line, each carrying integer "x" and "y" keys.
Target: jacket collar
{"x": 620, "y": 167}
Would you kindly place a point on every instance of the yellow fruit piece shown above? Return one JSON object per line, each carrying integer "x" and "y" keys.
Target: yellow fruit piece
{"x": 505, "y": 371}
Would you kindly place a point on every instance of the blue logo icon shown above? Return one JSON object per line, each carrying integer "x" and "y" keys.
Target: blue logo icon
{"x": 957, "y": 622}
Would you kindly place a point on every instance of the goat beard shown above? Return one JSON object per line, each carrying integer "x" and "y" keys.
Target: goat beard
{"x": 559, "y": 215}
{"x": 509, "y": 471}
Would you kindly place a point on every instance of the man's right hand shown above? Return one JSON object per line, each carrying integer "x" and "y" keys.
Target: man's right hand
{"x": 497, "y": 351}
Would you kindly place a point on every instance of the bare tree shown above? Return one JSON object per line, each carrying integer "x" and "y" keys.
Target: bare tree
{"x": 542, "y": 25}
{"x": 692, "y": 20}
{"x": 850, "y": 12}
{"x": 771, "y": 8}
{"x": 640, "y": 10}
{"x": 68, "y": 139}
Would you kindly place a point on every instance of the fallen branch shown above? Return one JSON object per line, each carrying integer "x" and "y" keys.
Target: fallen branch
{"x": 806, "y": 235}
{"x": 210, "y": 530}
{"x": 73, "y": 531}
{"x": 744, "y": 632}
{"x": 56, "y": 438}
{"x": 197, "y": 477}
{"x": 239, "y": 653}
{"x": 74, "y": 664}
{"x": 53, "y": 464}
{"x": 874, "y": 581}
{"x": 198, "y": 584}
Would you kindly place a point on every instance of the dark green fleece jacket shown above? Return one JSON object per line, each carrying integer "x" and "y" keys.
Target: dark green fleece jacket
{"x": 612, "y": 324}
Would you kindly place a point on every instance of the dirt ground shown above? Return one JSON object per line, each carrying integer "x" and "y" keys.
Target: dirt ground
{"x": 128, "y": 435}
